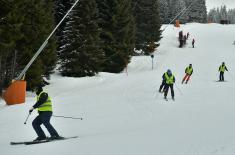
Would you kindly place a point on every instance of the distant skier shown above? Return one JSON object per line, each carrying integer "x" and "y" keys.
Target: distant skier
{"x": 222, "y": 69}
{"x": 187, "y": 35}
{"x": 193, "y": 42}
{"x": 170, "y": 80}
{"x": 188, "y": 73}
{"x": 44, "y": 106}
{"x": 181, "y": 39}
{"x": 185, "y": 39}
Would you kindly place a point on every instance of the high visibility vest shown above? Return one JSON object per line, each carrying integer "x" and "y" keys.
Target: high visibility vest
{"x": 46, "y": 106}
{"x": 189, "y": 70}
{"x": 169, "y": 80}
{"x": 222, "y": 68}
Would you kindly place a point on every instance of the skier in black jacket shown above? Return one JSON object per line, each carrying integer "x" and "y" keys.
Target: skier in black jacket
{"x": 44, "y": 106}
{"x": 162, "y": 86}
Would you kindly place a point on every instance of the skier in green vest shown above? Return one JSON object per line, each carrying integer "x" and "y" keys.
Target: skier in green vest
{"x": 170, "y": 80}
{"x": 188, "y": 73}
{"x": 44, "y": 106}
{"x": 222, "y": 69}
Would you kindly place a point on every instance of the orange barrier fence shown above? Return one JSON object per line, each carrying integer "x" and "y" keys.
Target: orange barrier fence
{"x": 177, "y": 23}
{"x": 15, "y": 93}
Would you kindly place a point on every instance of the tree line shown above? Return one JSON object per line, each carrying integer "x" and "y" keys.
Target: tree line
{"x": 98, "y": 36}
{"x": 195, "y": 10}
{"x": 216, "y": 15}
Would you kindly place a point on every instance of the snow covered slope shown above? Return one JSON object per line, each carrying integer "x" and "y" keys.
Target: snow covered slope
{"x": 125, "y": 115}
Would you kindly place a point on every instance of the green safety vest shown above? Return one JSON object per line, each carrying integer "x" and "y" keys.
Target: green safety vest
{"x": 222, "y": 68}
{"x": 169, "y": 80}
{"x": 189, "y": 70}
{"x": 46, "y": 106}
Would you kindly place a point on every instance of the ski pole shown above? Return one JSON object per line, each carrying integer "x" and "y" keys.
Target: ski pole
{"x": 68, "y": 117}
{"x": 27, "y": 118}
{"x": 179, "y": 89}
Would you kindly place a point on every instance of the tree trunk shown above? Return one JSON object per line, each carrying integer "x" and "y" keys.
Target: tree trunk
{"x": 13, "y": 65}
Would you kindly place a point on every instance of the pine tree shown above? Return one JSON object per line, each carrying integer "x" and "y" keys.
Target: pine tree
{"x": 212, "y": 16}
{"x": 178, "y": 7}
{"x": 81, "y": 54}
{"x": 37, "y": 25}
{"x": 197, "y": 12}
{"x": 223, "y": 13}
{"x": 61, "y": 7}
{"x": 117, "y": 36}
{"x": 148, "y": 25}
{"x": 171, "y": 5}
{"x": 10, "y": 31}
{"x": 164, "y": 11}
{"x": 5, "y": 7}
{"x": 231, "y": 16}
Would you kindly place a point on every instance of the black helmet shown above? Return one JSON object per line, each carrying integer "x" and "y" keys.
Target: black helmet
{"x": 169, "y": 72}
{"x": 38, "y": 89}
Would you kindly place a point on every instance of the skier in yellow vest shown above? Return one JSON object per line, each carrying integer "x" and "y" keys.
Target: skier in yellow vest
{"x": 170, "y": 80}
{"x": 44, "y": 106}
{"x": 188, "y": 73}
{"x": 222, "y": 69}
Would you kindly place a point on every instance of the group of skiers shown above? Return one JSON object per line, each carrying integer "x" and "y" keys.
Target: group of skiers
{"x": 44, "y": 104}
{"x": 168, "y": 79}
{"x": 183, "y": 39}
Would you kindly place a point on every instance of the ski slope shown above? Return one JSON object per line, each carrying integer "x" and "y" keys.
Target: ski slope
{"x": 125, "y": 115}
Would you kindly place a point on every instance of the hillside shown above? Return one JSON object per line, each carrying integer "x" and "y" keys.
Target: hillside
{"x": 125, "y": 115}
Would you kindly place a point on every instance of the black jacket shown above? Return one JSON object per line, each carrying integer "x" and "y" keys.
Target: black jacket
{"x": 42, "y": 99}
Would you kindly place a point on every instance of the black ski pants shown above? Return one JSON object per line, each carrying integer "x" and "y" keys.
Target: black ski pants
{"x": 221, "y": 76}
{"x": 44, "y": 118}
{"x": 167, "y": 88}
{"x": 162, "y": 85}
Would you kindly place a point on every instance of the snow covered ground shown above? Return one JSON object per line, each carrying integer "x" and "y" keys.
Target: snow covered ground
{"x": 125, "y": 115}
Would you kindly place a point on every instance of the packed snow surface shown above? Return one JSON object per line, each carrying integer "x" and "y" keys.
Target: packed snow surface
{"x": 124, "y": 114}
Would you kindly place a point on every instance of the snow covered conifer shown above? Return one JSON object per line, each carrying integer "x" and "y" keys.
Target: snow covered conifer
{"x": 11, "y": 23}
{"x": 37, "y": 25}
{"x": 81, "y": 54}
{"x": 178, "y": 7}
{"x": 117, "y": 24}
{"x": 164, "y": 11}
{"x": 197, "y": 12}
{"x": 148, "y": 25}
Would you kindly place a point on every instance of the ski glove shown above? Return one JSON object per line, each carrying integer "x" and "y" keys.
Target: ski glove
{"x": 31, "y": 109}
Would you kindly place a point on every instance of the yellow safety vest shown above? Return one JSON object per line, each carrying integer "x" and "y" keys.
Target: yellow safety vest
{"x": 169, "y": 80}
{"x": 189, "y": 70}
{"x": 46, "y": 106}
{"x": 222, "y": 68}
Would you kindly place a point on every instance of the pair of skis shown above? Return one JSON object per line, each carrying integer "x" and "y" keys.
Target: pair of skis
{"x": 173, "y": 99}
{"x": 41, "y": 141}
{"x": 166, "y": 99}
